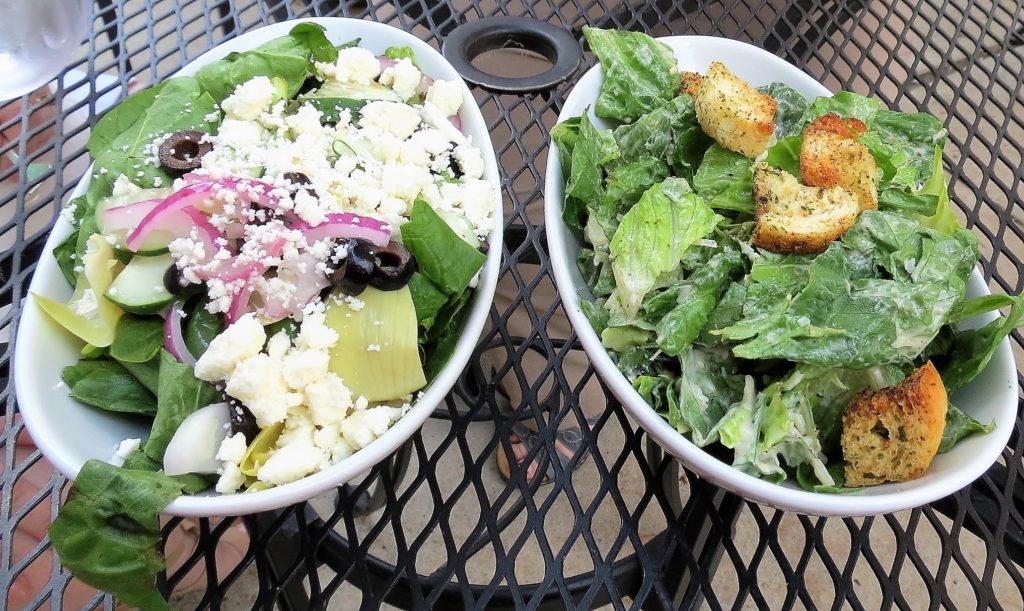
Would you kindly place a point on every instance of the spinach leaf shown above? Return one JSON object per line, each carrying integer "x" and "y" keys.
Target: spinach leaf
{"x": 286, "y": 58}
{"x": 427, "y": 298}
{"x": 670, "y": 134}
{"x": 638, "y": 73}
{"x": 67, "y": 257}
{"x": 137, "y": 339}
{"x": 652, "y": 237}
{"x": 585, "y": 188}
{"x": 180, "y": 394}
{"x": 726, "y": 180}
{"x": 444, "y": 346}
{"x": 565, "y": 135}
{"x": 972, "y": 350}
{"x": 122, "y": 118}
{"x": 108, "y": 531}
{"x": 313, "y": 36}
{"x": 785, "y": 154}
{"x": 442, "y": 256}
{"x": 108, "y": 385}
{"x": 201, "y": 326}
{"x": 680, "y": 327}
{"x": 791, "y": 107}
{"x": 958, "y": 426}
{"x": 400, "y": 53}
{"x": 148, "y": 373}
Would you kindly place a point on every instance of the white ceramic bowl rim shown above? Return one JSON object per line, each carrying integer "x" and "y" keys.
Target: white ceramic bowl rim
{"x": 970, "y": 459}
{"x": 35, "y": 394}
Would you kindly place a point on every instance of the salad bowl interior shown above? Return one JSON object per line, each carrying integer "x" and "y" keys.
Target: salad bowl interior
{"x": 70, "y": 433}
{"x": 991, "y": 397}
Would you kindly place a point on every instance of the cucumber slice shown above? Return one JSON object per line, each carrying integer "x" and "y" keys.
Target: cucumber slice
{"x": 377, "y": 355}
{"x": 333, "y": 97}
{"x": 118, "y": 201}
{"x": 140, "y": 287}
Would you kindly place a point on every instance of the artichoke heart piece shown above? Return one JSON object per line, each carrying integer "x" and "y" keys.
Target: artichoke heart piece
{"x": 377, "y": 355}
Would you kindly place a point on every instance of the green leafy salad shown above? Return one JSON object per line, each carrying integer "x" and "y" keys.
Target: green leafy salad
{"x": 272, "y": 258}
{"x": 759, "y": 263}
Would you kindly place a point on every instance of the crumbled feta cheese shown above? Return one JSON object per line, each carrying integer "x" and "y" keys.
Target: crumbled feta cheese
{"x": 278, "y": 345}
{"x": 305, "y": 121}
{"x": 241, "y": 340}
{"x": 354, "y": 65}
{"x": 327, "y": 438}
{"x": 404, "y": 181}
{"x": 86, "y": 305}
{"x": 434, "y": 117}
{"x": 446, "y": 96}
{"x": 232, "y": 449}
{"x": 230, "y": 480}
{"x": 403, "y": 78}
{"x": 303, "y": 367}
{"x": 315, "y": 335}
{"x": 250, "y": 98}
{"x": 394, "y": 117}
{"x": 329, "y": 400}
{"x": 123, "y": 450}
{"x": 290, "y": 463}
{"x": 308, "y": 208}
{"x": 469, "y": 160}
{"x": 432, "y": 140}
{"x": 123, "y": 186}
{"x": 258, "y": 382}
{"x": 363, "y": 426}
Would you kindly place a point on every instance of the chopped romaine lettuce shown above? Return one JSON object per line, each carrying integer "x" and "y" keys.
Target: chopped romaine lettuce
{"x": 638, "y": 73}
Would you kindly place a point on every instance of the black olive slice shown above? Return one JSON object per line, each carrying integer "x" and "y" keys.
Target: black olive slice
{"x": 175, "y": 283}
{"x": 296, "y": 178}
{"x": 183, "y": 151}
{"x": 242, "y": 420}
{"x": 355, "y": 271}
{"x": 395, "y": 266}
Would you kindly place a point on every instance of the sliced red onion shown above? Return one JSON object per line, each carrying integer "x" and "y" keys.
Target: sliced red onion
{"x": 346, "y": 225}
{"x": 306, "y": 280}
{"x": 456, "y": 121}
{"x": 165, "y": 218}
{"x": 174, "y": 339}
{"x": 127, "y": 217}
{"x": 239, "y": 304}
{"x": 238, "y": 268}
{"x": 386, "y": 62}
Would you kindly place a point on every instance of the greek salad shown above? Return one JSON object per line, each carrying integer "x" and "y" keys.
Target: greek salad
{"x": 272, "y": 258}
{"x": 782, "y": 279}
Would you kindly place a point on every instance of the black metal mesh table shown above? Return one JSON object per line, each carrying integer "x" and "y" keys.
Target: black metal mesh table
{"x": 434, "y": 525}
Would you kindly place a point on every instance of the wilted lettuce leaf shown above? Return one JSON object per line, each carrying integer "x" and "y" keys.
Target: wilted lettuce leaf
{"x": 960, "y": 425}
{"x": 652, "y": 237}
{"x": 564, "y": 135}
{"x": 708, "y": 386}
{"x": 682, "y": 325}
{"x": 584, "y": 189}
{"x": 944, "y": 219}
{"x": 972, "y": 350}
{"x": 845, "y": 104}
{"x": 842, "y": 319}
{"x": 726, "y": 179}
{"x": 638, "y": 75}
{"x": 903, "y": 144}
{"x": 785, "y": 154}
{"x": 791, "y": 107}
{"x": 670, "y": 133}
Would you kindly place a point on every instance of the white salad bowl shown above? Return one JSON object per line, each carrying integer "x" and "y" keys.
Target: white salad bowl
{"x": 70, "y": 433}
{"x": 992, "y": 396}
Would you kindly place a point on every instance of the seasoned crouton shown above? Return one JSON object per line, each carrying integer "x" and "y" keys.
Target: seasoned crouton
{"x": 832, "y": 156}
{"x": 690, "y": 83}
{"x": 736, "y": 115}
{"x": 892, "y": 434}
{"x": 794, "y": 219}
